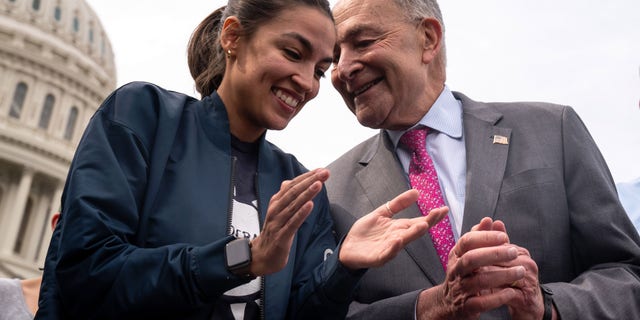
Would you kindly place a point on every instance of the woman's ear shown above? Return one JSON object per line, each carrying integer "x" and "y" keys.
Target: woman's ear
{"x": 230, "y": 33}
{"x": 431, "y": 30}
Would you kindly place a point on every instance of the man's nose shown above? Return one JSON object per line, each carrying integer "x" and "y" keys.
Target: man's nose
{"x": 347, "y": 66}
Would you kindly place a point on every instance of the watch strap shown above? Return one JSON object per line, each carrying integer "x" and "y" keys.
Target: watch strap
{"x": 547, "y": 299}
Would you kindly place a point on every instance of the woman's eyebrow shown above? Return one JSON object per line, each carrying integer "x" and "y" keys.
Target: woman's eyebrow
{"x": 305, "y": 43}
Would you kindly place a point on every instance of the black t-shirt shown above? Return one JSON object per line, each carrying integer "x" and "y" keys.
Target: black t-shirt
{"x": 246, "y": 166}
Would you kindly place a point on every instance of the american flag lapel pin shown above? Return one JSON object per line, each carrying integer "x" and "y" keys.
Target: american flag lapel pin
{"x": 497, "y": 139}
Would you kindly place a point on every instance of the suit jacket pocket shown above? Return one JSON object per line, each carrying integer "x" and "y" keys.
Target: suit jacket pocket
{"x": 527, "y": 179}
{"x": 533, "y": 206}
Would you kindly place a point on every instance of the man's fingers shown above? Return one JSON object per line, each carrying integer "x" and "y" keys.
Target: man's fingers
{"x": 479, "y": 239}
{"x": 485, "y": 256}
{"x": 491, "y": 277}
{"x": 485, "y": 224}
{"x": 489, "y": 301}
{"x": 499, "y": 226}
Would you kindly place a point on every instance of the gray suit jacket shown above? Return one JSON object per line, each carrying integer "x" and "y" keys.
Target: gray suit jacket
{"x": 550, "y": 186}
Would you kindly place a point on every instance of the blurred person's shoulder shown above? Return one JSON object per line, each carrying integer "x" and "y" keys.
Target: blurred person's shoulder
{"x": 629, "y": 193}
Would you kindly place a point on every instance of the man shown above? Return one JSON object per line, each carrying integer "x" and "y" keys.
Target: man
{"x": 539, "y": 230}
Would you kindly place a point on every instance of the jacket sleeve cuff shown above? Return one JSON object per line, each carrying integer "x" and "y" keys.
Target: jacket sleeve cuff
{"x": 209, "y": 269}
{"x": 341, "y": 283}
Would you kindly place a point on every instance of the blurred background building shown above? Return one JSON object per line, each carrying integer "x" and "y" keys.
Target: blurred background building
{"x": 56, "y": 67}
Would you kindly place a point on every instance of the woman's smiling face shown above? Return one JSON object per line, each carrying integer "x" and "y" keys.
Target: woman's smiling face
{"x": 274, "y": 72}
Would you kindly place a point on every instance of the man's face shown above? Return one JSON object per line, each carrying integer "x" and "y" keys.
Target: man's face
{"x": 378, "y": 63}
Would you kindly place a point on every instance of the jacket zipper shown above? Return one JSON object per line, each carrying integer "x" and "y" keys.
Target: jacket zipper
{"x": 262, "y": 279}
{"x": 232, "y": 188}
{"x": 230, "y": 217}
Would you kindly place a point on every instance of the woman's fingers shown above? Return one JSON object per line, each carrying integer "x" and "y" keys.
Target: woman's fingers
{"x": 294, "y": 194}
{"x": 399, "y": 203}
{"x": 436, "y": 215}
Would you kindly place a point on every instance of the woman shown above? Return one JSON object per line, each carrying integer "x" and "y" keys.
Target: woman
{"x": 177, "y": 208}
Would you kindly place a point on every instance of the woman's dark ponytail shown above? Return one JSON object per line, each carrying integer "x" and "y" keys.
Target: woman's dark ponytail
{"x": 205, "y": 55}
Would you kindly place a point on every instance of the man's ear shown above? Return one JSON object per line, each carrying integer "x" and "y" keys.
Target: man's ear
{"x": 230, "y": 33}
{"x": 54, "y": 219}
{"x": 431, "y": 30}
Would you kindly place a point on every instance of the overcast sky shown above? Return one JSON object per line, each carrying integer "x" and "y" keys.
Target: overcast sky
{"x": 583, "y": 53}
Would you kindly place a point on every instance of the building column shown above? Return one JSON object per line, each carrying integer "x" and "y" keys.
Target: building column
{"x": 38, "y": 224}
{"x": 3, "y": 88}
{"x": 46, "y": 237}
{"x": 16, "y": 211}
{"x": 7, "y": 89}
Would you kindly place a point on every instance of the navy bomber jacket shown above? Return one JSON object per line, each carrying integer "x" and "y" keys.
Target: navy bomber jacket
{"x": 145, "y": 214}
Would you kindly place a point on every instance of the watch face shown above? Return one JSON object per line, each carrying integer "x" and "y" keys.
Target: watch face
{"x": 238, "y": 254}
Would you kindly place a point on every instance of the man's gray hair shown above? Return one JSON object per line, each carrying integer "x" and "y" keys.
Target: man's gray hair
{"x": 418, "y": 9}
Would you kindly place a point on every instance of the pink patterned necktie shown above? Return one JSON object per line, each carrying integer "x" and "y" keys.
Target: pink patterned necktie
{"x": 423, "y": 177}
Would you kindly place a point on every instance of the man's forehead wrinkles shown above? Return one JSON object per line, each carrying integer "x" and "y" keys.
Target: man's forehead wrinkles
{"x": 352, "y": 31}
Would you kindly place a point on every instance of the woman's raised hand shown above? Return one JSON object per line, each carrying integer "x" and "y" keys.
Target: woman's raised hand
{"x": 287, "y": 210}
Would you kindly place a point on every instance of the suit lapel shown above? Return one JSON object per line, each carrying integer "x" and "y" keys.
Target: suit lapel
{"x": 486, "y": 160}
{"x": 382, "y": 178}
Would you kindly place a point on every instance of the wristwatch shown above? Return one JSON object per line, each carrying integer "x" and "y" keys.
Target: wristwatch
{"x": 547, "y": 299}
{"x": 238, "y": 257}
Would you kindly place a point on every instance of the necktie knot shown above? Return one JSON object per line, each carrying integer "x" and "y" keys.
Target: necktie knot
{"x": 415, "y": 139}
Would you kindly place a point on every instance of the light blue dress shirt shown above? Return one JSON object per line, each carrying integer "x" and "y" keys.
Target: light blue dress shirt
{"x": 445, "y": 145}
{"x": 629, "y": 193}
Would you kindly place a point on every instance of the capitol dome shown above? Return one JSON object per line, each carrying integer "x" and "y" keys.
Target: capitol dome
{"x": 56, "y": 67}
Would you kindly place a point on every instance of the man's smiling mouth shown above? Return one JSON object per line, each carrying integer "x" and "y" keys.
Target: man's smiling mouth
{"x": 366, "y": 87}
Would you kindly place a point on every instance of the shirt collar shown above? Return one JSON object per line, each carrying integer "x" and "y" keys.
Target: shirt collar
{"x": 444, "y": 116}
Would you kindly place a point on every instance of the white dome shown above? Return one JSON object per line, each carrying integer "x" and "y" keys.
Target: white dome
{"x": 56, "y": 68}
{"x": 70, "y": 28}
